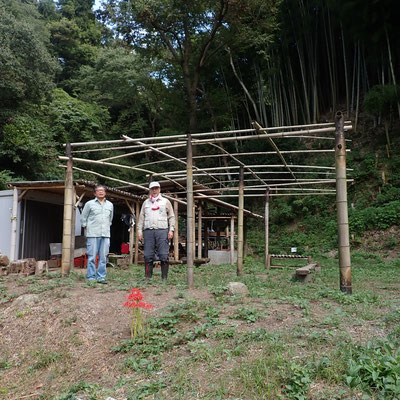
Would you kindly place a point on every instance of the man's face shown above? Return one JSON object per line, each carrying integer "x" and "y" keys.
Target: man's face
{"x": 100, "y": 193}
{"x": 155, "y": 191}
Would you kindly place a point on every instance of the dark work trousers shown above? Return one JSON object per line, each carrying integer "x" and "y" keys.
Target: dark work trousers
{"x": 155, "y": 242}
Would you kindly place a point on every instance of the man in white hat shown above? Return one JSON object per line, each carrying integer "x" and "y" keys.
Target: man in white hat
{"x": 156, "y": 226}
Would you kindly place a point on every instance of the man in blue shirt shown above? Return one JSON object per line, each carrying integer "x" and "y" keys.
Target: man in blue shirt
{"x": 96, "y": 219}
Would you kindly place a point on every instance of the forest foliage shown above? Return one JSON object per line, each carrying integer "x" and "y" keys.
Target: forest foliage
{"x": 70, "y": 72}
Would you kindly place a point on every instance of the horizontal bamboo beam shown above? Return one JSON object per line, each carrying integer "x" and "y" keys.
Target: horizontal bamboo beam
{"x": 125, "y": 183}
{"x": 262, "y": 188}
{"x": 319, "y": 182}
{"x": 255, "y": 166}
{"x": 264, "y": 135}
{"x": 94, "y": 162}
{"x": 228, "y": 205}
{"x": 304, "y": 128}
{"x": 247, "y": 173}
{"x": 261, "y": 195}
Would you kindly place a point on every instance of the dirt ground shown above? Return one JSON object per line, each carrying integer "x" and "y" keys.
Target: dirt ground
{"x": 53, "y": 339}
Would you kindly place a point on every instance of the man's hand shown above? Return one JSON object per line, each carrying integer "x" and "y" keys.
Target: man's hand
{"x": 140, "y": 236}
{"x": 170, "y": 235}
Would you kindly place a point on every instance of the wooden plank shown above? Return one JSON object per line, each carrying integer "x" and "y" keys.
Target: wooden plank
{"x": 306, "y": 269}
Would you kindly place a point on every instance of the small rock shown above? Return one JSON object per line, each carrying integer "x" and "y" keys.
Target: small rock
{"x": 238, "y": 288}
{"x": 26, "y": 300}
{"x": 4, "y": 261}
{"x": 332, "y": 254}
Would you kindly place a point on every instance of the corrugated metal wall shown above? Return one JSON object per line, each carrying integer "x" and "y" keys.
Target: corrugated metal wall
{"x": 42, "y": 224}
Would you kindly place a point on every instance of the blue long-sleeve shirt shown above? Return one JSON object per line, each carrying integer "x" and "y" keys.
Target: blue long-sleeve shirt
{"x": 97, "y": 218}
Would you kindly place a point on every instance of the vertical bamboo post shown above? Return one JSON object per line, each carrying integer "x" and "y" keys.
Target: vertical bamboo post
{"x": 194, "y": 231}
{"x": 240, "y": 223}
{"x": 341, "y": 206}
{"x": 189, "y": 211}
{"x": 67, "y": 225}
{"x": 232, "y": 240}
{"x": 73, "y": 220}
{"x": 199, "y": 236}
{"x": 136, "y": 233}
{"x": 245, "y": 237}
{"x": 14, "y": 217}
{"x": 266, "y": 225}
{"x": 176, "y": 232}
{"x": 206, "y": 225}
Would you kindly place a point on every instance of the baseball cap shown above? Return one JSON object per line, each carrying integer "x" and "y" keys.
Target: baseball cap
{"x": 154, "y": 184}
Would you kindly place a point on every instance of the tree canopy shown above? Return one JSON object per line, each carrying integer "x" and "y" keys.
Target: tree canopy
{"x": 157, "y": 67}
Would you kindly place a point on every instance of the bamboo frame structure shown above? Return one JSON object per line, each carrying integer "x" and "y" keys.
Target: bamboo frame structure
{"x": 224, "y": 182}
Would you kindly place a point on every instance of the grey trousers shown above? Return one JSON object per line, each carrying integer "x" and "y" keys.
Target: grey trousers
{"x": 155, "y": 243}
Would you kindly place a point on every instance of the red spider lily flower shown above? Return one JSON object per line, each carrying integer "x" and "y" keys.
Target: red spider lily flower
{"x": 135, "y": 295}
{"x": 138, "y": 319}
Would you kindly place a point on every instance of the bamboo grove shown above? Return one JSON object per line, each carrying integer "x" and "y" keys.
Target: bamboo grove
{"x": 150, "y": 68}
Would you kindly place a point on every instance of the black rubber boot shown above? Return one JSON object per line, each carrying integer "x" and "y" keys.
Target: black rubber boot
{"x": 164, "y": 270}
{"x": 148, "y": 270}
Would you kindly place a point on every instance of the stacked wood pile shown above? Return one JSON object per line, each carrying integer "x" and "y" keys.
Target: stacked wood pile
{"x": 4, "y": 261}
{"x": 27, "y": 266}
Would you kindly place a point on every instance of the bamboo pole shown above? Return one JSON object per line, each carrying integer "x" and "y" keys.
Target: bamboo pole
{"x": 183, "y": 137}
{"x": 240, "y": 163}
{"x": 276, "y": 185}
{"x": 240, "y": 226}
{"x": 199, "y": 233}
{"x": 264, "y": 153}
{"x": 228, "y": 205}
{"x": 14, "y": 217}
{"x": 137, "y": 233}
{"x": 194, "y": 231}
{"x": 341, "y": 204}
{"x": 177, "y": 160}
{"x": 189, "y": 211}
{"x": 206, "y": 223}
{"x": 260, "y": 173}
{"x": 125, "y": 182}
{"x": 73, "y": 220}
{"x": 232, "y": 241}
{"x": 232, "y": 167}
{"x": 176, "y": 232}
{"x": 245, "y": 247}
{"x": 107, "y": 164}
{"x": 67, "y": 225}
{"x": 266, "y": 225}
{"x": 234, "y": 196}
{"x": 275, "y": 147}
{"x": 264, "y": 135}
